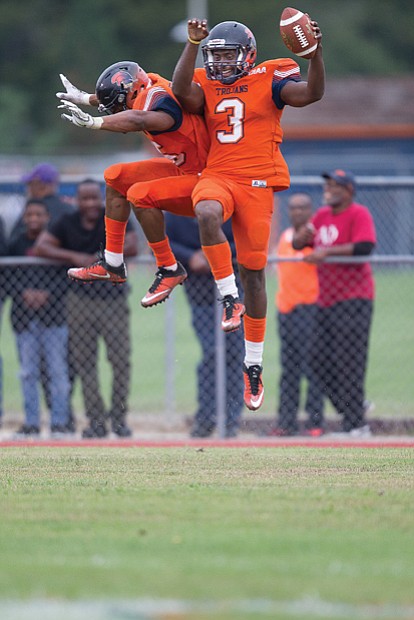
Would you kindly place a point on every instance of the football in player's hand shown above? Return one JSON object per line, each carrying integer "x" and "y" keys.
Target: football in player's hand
{"x": 297, "y": 33}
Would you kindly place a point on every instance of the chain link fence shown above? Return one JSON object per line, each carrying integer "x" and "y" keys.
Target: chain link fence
{"x": 171, "y": 369}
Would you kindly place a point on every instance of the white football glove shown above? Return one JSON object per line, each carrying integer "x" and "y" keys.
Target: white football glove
{"x": 78, "y": 117}
{"x": 72, "y": 93}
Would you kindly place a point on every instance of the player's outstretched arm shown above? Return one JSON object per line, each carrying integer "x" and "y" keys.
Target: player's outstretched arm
{"x": 122, "y": 122}
{"x": 74, "y": 94}
{"x": 188, "y": 93}
{"x": 78, "y": 117}
{"x": 299, "y": 94}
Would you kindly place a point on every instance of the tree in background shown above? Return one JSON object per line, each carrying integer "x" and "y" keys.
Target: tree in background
{"x": 40, "y": 39}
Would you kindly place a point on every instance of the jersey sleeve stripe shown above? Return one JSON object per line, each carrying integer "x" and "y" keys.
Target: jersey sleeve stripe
{"x": 282, "y": 75}
{"x": 153, "y": 96}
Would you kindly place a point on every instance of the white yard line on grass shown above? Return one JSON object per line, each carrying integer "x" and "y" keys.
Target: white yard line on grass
{"x": 153, "y": 609}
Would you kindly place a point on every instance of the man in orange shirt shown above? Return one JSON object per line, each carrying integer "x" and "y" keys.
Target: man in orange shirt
{"x": 242, "y": 105}
{"x": 296, "y": 304}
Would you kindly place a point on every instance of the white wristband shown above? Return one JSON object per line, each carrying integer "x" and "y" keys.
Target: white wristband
{"x": 97, "y": 122}
{"x": 84, "y": 99}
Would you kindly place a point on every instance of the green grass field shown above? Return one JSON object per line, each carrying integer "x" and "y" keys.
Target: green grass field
{"x": 389, "y": 380}
{"x": 225, "y": 533}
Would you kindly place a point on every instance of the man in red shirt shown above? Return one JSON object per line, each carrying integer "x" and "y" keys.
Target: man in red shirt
{"x": 340, "y": 339}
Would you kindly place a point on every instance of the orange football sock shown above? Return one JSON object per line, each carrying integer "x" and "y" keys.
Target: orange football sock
{"x": 115, "y": 235}
{"x": 254, "y": 329}
{"x": 164, "y": 256}
{"x": 219, "y": 259}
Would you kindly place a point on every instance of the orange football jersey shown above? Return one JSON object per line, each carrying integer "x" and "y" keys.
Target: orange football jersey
{"x": 186, "y": 146}
{"x": 244, "y": 125}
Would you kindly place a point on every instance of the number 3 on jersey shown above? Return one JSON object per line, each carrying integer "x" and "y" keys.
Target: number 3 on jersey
{"x": 234, "y": 108}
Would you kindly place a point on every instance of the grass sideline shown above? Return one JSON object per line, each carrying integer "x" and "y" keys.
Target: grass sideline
{"x": 208, "y": 525}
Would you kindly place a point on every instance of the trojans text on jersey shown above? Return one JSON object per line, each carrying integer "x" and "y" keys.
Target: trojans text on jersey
{"x": 228, "y": 90}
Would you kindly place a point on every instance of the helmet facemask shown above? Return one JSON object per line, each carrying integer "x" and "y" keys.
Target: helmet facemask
{"x": 224, "y": 37}
{"x": 215, "y": 68}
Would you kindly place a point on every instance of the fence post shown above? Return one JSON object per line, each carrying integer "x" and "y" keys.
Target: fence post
{"x": 221, "y": 375}
{"x": 169, "y": 356}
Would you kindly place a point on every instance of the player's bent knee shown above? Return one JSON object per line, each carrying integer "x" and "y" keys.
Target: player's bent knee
{"x": 112, "y": 173}
{"x": 113, "y": 178}
{"x": 208, "y": 213}
{"x": 139, "y": 196}
{"x": 253, "y": 260}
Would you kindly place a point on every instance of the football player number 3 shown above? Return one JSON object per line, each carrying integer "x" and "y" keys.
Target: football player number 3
{"x": 234, "y": 108}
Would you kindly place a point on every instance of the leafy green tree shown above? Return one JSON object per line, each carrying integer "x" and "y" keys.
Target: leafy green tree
{"x": 40, "y": 39}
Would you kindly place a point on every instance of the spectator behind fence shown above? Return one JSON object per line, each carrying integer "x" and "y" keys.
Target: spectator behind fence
{"x": 76, "y": 239}
{"x": 39, "y": 322}
{"x": 296, "y": 306}
{"x": 3, "y": 252}
{"x": 339, "y": 341}
{"x": 42, "y": 183}
{"x": 202, "y": 296}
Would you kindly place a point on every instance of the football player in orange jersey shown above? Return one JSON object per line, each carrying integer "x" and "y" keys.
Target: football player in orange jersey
{"x": 242, "y": 106}
{"x": 137, "y": 101}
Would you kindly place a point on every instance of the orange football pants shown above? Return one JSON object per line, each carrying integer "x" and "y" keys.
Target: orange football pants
{"x": 251, "y": 210}
{"x": 154, "y": 183}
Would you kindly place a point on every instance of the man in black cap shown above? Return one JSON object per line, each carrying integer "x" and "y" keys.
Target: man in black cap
{"x": 340, "y": 338}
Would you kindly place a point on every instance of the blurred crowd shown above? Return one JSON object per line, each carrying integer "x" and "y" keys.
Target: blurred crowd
{"x": 323, "y": 327}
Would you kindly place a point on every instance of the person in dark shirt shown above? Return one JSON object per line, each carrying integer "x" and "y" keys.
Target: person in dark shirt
{"x": 75, "y": 239}
{"x": 39, "y": 322}
{"x": 202, "y": 296}
{"x": 3, "y": 241}
{"x": 42, "y": 183}
{"x": 3, "y": 252}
